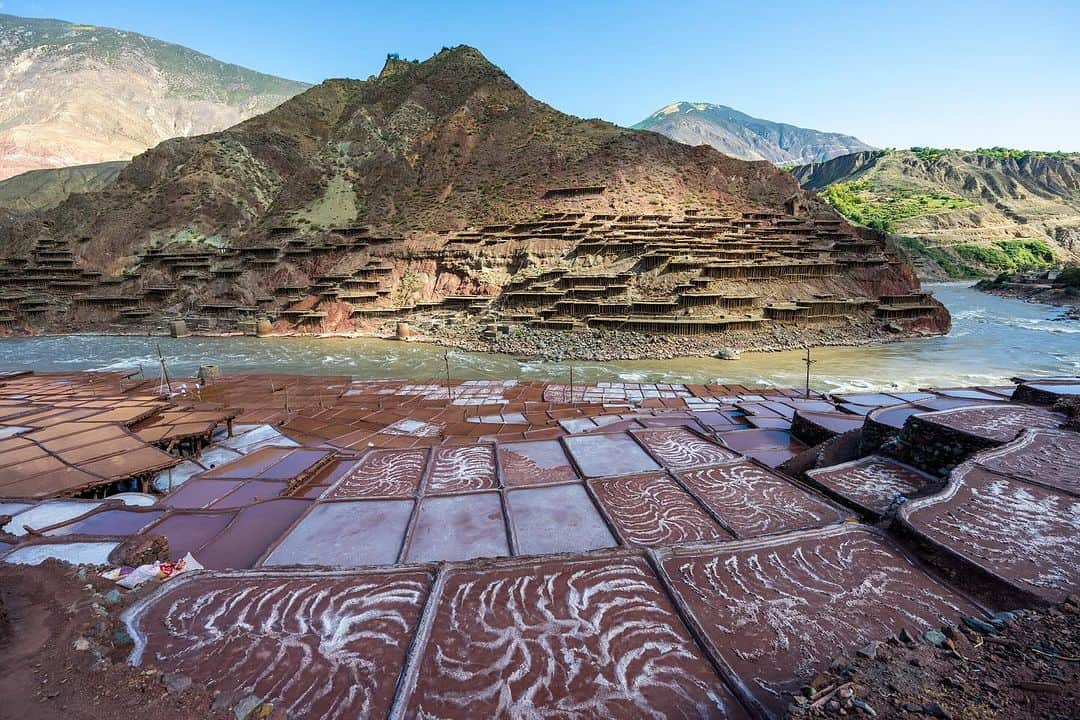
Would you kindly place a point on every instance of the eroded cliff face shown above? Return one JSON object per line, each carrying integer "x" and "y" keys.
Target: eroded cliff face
{"x": 1006, "y": 197}
{"x": 438, "y": 145}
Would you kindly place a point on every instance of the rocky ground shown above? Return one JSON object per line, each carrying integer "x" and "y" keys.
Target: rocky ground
{"x": 1023, "y": 665}
{"x": 614, "y": 345}
{"x": 63, "y": 655}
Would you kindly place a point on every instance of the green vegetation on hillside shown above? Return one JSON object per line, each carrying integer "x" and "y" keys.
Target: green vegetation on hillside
{"x": 950, "y": 264}
{"x": 1000, "y": 153}
{"x": 1009, "y": 255}
{"x": 927, "y": 153}
{"x": 970, "y": 260}
{"x": 860, "y": 202}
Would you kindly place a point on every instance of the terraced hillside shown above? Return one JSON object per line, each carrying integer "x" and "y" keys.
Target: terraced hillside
{"x": 77, "y": 94}
{"x": 357, "y": 204}
{"x": 970, "y": 212}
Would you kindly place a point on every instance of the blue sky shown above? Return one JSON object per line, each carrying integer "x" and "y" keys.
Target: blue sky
{"x": 953, "y": 74}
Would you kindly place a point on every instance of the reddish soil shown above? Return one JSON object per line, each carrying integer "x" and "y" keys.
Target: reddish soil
{"x": 1028, "y": 668}
{"x": 51, "y": 612}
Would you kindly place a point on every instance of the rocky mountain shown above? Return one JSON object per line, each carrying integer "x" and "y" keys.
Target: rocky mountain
{"x": 77, "y": 94}
{"x": 44, "y": 189}
{"x": 442, "y": 189}
{"x": 748, "y": 138}
{"x": 974, "y": 212}
{"x": 423, "y": 146}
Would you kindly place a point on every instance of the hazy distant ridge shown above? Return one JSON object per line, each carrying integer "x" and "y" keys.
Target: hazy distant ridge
{"x": 748, "y": 138}
{"x": 77, "y": 94}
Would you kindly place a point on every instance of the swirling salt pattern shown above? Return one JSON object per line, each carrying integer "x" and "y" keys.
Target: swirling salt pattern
{"x": 678, "y": 448}
{"x": 318, "y": 647}
{"x": 752, "y": 501}
{"x": 382, "y": 473}
{"x": 652, "y": 510}
{"x": 460, "y": 469}
{"x": 778, "y": 611}
{"x": 873, "y": 482}
{"x": 568, "y": 640}
{"x": 1048, "y": 457}
{"x": 997, "y": 422}
{"x": 1022, "y": 532}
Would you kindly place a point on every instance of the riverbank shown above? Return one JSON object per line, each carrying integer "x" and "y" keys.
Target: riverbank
{"x": 614, "y": 345}
{"x": 1042, "y": 288}
{"x": 579, "y": 344}
{"x": 992, "y": 338}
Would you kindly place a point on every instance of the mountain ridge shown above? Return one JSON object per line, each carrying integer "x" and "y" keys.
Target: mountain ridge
{"x": 48, "y": 187}
{"x": 969, "y": 208}
{"x": 76, "y": 94}
{"x": 442, "y": 192}
{"x": 746, "y": 137}
{"x": 422, "y": 146}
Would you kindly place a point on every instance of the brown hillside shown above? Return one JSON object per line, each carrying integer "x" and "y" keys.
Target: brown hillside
{"x": 436, "y": 145}
{"x": 397, "y": 195}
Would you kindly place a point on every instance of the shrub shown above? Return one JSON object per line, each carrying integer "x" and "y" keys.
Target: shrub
{"x": 1070, "y": 276}
{"x": 860, "y": 202}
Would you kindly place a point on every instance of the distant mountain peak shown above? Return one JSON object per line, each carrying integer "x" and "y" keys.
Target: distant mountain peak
{"x": 74, "y": 94}
{"x": 746, "y": 137}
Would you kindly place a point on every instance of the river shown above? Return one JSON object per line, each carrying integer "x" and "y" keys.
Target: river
{"x": 992, "y": 339}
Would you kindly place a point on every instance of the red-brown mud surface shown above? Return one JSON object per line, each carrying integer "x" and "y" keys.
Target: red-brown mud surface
{"x": 47, "y": 615}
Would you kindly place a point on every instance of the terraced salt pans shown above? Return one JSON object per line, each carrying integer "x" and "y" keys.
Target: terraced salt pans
{"x": 997, "y": 424}
{"x": 492, "y": 639}
{"x": 597, "y": 634}
{"x": 652, "y": 510}
{"x": 751, "y": 500}
{"x": 382, "y": 473}
{"x": 572, "y": 638}
{"x": 1026, "y": 535}
{"x": 873, "y": 484}
{"x": 609, "y": 393}
{"x": 76, "y": 553}
{"x": 464, "y": 468}
{"x": 48, "y": 513}
{"x": 678, "y": 448}
{"x": 775, "y": 610}
{"x": 327, "y": 645}
{"x": 1045, "y": 457}
{"x": 535, "y": 462}
{"x": 469, "y": 392}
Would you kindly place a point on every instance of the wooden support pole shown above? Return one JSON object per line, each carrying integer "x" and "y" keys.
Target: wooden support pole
{"x": 449, "y": 389}
{"x": 808, "y": 362}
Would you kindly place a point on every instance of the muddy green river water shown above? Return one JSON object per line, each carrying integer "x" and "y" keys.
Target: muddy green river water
{"x": 992, "y": 339}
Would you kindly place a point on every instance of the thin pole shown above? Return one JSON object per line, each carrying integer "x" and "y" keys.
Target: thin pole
{"x": 449, "y": 390}
{"x": 164, "y": 370}
{"x": 808, "y": 362}
{"x": 570, "y": 352}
